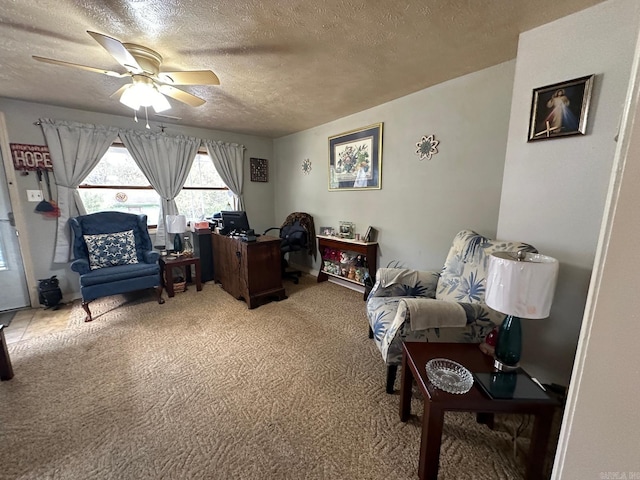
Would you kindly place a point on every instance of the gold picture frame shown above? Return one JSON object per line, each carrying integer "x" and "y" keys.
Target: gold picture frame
{"x": 355, "y": 159}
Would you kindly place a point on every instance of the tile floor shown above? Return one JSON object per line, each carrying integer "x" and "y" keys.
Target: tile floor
{"x": 33, "y": 322}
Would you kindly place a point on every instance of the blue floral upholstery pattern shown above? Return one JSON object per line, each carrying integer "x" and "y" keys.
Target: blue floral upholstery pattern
{"x": 461, "y": 280}
{"x": 111, "y": 249}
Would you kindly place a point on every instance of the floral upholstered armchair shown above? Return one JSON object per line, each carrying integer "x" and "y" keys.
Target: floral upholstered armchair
{"x": 113, "y": 254}
{"x": 429, "y": 306}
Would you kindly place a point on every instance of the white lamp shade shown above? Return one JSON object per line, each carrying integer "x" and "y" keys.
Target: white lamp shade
{"x": 521, "y": 288}
{"x": 141, "y": 94}
{"x": 176, "y": 223}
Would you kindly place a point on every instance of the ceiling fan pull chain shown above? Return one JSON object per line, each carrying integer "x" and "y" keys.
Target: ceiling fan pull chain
{"x": 135, "y": 116}
{"x": 146, "y": 114}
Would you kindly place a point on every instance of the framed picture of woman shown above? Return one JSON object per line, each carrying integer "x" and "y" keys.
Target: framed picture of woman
{"x": 561, "y": 109}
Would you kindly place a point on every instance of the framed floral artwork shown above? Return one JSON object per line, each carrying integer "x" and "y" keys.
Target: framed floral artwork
{"x": 355, "y": 159}
{"x": 561, "y": 109}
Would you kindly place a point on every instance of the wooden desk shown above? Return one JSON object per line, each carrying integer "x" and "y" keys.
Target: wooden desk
{"x": 415, "y": 356}
{"x": 248, "y": 270}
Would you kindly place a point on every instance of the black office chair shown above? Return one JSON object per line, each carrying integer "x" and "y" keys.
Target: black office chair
{"x": 297, "y": 233}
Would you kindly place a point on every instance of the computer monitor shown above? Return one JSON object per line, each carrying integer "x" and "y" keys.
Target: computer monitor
{"x": 235, "y": 220}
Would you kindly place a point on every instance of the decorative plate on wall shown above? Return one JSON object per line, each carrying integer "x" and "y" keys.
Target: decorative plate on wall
{"x": 306, "y": 166}
{"x": 427, "y": 147}
{"x": 259, "y": 169}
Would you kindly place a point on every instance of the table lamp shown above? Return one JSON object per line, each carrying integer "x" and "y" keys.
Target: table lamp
{"x": 176, "y": 224}
{"x": 520, "y": 285}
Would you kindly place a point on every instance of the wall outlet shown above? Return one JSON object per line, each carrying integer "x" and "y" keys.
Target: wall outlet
{"x": 34, "y": 195}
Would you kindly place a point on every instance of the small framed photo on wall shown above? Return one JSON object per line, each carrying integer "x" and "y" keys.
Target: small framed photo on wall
{"x": 259, "y": 169}
{"x": 561, "y": 109}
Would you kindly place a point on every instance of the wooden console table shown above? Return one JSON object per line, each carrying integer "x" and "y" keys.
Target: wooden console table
{"x": 248, "y": 270}
{"x": 330, "y": 266}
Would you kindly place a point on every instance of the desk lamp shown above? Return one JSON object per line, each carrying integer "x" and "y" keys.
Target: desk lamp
{"x": 520, "y": 286}
{"x": 177, "y": 224}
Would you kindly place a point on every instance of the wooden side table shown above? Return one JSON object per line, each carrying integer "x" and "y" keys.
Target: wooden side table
{"x": 415, "y": 356}
{"x": 167, "y": 264}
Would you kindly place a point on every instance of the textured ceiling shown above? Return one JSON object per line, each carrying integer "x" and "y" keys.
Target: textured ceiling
{"x": 284, "y": 65}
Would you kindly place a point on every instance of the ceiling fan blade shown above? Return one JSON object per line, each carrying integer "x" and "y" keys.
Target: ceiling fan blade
{"x": 192, "y": 77}
{"x": 83, "y": 67}
{"x": 117, "y": 51}
{"x": 181, "y": 95}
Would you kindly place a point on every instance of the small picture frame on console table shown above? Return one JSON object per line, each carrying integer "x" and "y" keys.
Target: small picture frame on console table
{"x": 327, "y": 231}
{"x": 370, "y": 235}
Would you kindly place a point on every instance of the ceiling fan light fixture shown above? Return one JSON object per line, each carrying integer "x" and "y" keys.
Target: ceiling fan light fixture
{"x": 160, "y": 102}
{"x": 130, "y": 98}
{"x": 144, "y": 95}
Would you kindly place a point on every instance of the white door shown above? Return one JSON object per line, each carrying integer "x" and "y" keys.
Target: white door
{"x": 13, "y": 284}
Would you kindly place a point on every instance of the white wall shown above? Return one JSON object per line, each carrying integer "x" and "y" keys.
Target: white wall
{"x": 554, "y": 191}
{"x": 20, "y": 118}
{"x": 601, "y": 415}
{"x": 422, "y": 204}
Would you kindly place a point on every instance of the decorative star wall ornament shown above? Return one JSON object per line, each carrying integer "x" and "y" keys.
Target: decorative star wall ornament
{"x": 427, "y": 147}
{"x": 306, "y": 166}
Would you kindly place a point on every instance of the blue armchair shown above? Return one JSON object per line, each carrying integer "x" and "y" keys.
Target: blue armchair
{"x": 435, "y": 306}
{"x": 113, "y": 254}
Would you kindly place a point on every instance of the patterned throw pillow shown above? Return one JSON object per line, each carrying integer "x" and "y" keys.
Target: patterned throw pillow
{"x": 111, "y": 249}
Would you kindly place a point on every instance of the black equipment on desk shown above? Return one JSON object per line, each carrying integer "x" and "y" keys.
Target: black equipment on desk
{"x": 235, "y": 220}
{"x": 247, "y": 236}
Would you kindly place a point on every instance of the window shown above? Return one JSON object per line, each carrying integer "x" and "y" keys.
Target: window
{"x": 204, "y": 193}
{"x": 118, "y": 184}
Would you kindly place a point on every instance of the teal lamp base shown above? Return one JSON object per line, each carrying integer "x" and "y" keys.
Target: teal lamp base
{"x": 177, "y": 243}
{"x": 509, "y": 346}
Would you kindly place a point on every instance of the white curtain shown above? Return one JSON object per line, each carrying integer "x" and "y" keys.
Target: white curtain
{"x": 166, "y": 162}
{"x": 228, "y": 160}
{"x": 75, "y": 149}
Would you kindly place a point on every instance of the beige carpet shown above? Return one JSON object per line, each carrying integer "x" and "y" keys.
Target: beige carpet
{"x": 203, "y": 388}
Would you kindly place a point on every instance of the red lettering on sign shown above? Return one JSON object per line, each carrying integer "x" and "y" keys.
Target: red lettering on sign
{"x": 30, "y": 157}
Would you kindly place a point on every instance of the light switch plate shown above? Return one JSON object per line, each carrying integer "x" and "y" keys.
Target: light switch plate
{"x": 34, "y": 195}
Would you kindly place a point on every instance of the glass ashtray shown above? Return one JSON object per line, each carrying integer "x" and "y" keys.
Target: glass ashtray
{"x": 449, "y": 376}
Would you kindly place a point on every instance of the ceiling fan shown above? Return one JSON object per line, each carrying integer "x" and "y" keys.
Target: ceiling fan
{"x": 149, "y": 85}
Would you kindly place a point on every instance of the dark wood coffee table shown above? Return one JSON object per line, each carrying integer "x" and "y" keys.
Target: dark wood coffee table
{"x": 437, "y": 402}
